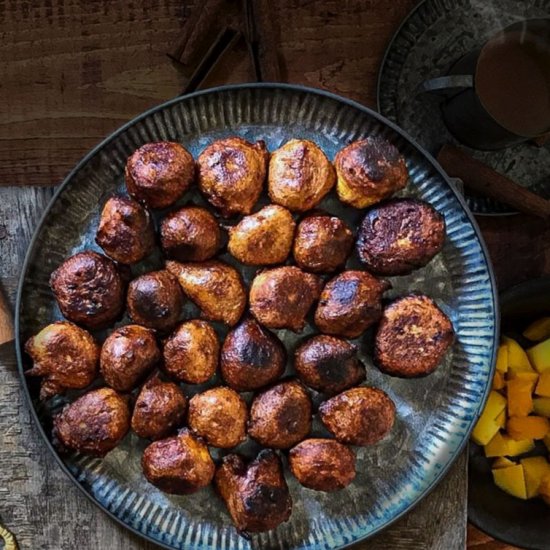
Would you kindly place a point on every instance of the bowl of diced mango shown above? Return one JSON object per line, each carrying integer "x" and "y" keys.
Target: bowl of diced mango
{"x": 509, "y": 474}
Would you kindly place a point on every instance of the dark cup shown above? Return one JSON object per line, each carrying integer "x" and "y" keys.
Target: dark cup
{"x": 499, "y": 94}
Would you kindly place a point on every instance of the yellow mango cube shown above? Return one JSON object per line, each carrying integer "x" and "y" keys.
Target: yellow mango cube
{"x": 534, "y": 470}
{"x": 517, "y": 358}
{"x": 538, "y": 330}
{"x": 511, "y": 480}
{"x": 539, "y": 355}
{"x": 516, "y": 448}
{"x": 501, "y": 420}
{"x": 543, "y": 385}
{"x": 519, "y": 391}
{"x": 502, "y": 358}
{"x": 502, "y": 462}
{"x": 495, "y": 404}
{"x": 484, "y": 430}
{"x": 503, "y": 445}
{"x": 527, "y": 427}
{"x": 529, "y": 376}
{"x": 541, "y": 405}
{"x": 498, "y": 381}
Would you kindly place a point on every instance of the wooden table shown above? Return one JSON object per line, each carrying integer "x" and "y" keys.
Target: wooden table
{"x": 73, "y": 71}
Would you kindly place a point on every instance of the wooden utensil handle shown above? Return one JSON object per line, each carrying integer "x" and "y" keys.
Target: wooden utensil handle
{"x": 6, "y": 322}
{"x": 483, "y": 179}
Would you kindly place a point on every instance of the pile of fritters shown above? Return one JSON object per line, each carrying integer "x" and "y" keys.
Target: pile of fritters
{"x": 147, "y": 368}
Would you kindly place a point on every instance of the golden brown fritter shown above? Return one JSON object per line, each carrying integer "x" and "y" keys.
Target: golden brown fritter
{"x": 158, "y": 174}
{"x": 232, "y": 173}
{"x": 191, "y": 352}
{"x": 368, "y": 171}
{"x": 263, "y": 238}
{"x": 94, "y": 424}
{"x": 215, "y": 287}
{"x": 256, "y": 494}
{"x": 350, "y": 303}
{"x": 155, "y": 300}
{"x": 400, "y": 236}
{"x": 412, "y": 338}
{"x": 300, "y": 175}
{"x": 190, "y": 234}
{"x": 252, "y": 357}
{"x": 159, "y": 409}
{"x": 322, "y": 464}
{"x": 359, "y": 416}
{"x": 281, "y": 297}
{"x": 328, "y": 364}
{"x": 280, "y": 416}
{"x": 66, "y": 356}
{"x": 125, "y": 230}
{"x": 178, "y": 465}
{"x": 88, "y": 289}
{"x": 219, "y": 416}
{"x": 128, "y": 354}
{"x": 322, "y": 243}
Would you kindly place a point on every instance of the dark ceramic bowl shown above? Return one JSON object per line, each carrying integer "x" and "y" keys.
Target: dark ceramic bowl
{"x": 522, "y": 523}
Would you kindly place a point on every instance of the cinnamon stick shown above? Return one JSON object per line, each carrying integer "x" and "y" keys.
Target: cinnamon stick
{"x": 483, "y": 179}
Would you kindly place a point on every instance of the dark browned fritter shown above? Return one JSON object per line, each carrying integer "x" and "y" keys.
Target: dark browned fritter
{"x": 191, "y": 352}
{"x": 128, "y": 354}
{"x": 359, "y": 416}
{"x": 215, "y": 287}
{"x": 232, "y": 173}
{"x": 158, "y": 174}
{"x": 412, "y": 338}
{"x": 400, "y": 236}
{"x": 281, "y": 297}
{"x": 280, "y": 416}
{"x": 178, "y": 465}
{"x": 322, "y": 464}
{"x": 219, "y": 416}
{"x": 155, "y": 300}
{"x": 322, "y": 243}
{"x": 190, "y": 234}
{"x": 368, "y": 171}
{"x": 350, "y": 303}
{"x": 65, "y": 355}
{"x": 263, "y": 238}
{"x": 300, "y": 175}
{"x": 251, "y": 357}
{"x": 256, "y": 494}
{"x": 328, "y": 364}
{"x": 94, "y": 424}
{"x": 88, "y": 289}
{"x": 125, "y": 230}
{"x": 160, "y": 409}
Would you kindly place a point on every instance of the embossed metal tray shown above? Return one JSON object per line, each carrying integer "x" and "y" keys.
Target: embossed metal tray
{"x": 434, "y": 414}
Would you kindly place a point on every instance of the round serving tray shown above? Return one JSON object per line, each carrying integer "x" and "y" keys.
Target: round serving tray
{"x": 434, "y": 414}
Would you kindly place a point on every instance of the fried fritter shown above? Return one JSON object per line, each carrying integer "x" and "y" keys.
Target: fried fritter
{"x": 219, "y": 416}
{"x": 66, "y": 356}
{"x": 281, "y": 297}
{"x": 191, "y": 352}
{"x": 412, "y": 338}
{"x": 155, "y": 300}
{"x": 252, "y": 357}
{"x": 158, "y": 174}
{"x": 280, "y": 416}
{"x": 359, "y": 416}
{"x": 159, "y": 409}
{"x": 256, "y": 494}
{"x": 328, "y": 364}
{"x": 300, "y": 175}
{"x": 368, "y": 171}
{"x": 322, "y": 243}
{"x": 263, "y": 238}
{"x": 215, "y": 287}
{"x": 400, "y": 236}
{"x": 178, "y": 465}
{"x": 94, "y": 424}
{"x": 89, "y": 289}
{"x": 322, "y": 464}
{"x": 350, "y": 303}
{"x": 125, "y": 230}
{"x": 232, "y": 173}
{"x": 190, "y": 234}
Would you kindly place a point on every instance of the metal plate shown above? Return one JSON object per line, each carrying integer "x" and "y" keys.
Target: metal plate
{"x": 432, "y": 37}
{"x": 435, "y": 414}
